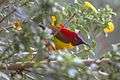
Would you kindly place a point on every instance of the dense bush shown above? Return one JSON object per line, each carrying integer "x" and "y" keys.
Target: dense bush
{"x": 28, "y": 50}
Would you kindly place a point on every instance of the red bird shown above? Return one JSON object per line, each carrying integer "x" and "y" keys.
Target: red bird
{"x": 68, "y": 36}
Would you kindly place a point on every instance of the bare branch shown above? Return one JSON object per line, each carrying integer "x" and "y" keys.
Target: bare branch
{"x": 23, "y": 66}
{"x": 17, "y": 66}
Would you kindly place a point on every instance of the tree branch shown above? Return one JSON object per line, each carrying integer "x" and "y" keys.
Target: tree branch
{"x": 7, "y": 16}
{"x": 17, "y": 66}
{"x": 24, "y": 66}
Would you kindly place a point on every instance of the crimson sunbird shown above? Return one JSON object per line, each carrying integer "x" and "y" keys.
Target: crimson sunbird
{"x": 68, "y": 36}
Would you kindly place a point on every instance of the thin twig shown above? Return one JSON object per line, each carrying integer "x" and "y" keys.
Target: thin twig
{"x": 7, "y": 16}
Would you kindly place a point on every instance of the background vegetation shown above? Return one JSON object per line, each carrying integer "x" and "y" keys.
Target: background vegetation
{"x": 24, "y": 28}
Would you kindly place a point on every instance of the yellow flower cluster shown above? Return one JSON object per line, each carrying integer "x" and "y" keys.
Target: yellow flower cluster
{"x": 53, "y": 20}
{"x": 88, "y": 5}
{"x": 17, "y": 25}
{"x": 109, "y": 28}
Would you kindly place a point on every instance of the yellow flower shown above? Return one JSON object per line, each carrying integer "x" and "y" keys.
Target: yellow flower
{"x": 88, "y": 5}
{"x": 109, "y": 28}
{"x": 61, "y": 45}
{"x": 17, "y": 25}
{"x": 53, "y": 20}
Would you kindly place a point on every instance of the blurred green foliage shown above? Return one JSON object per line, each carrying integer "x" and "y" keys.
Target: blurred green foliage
{"x": 27, "y": 45}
